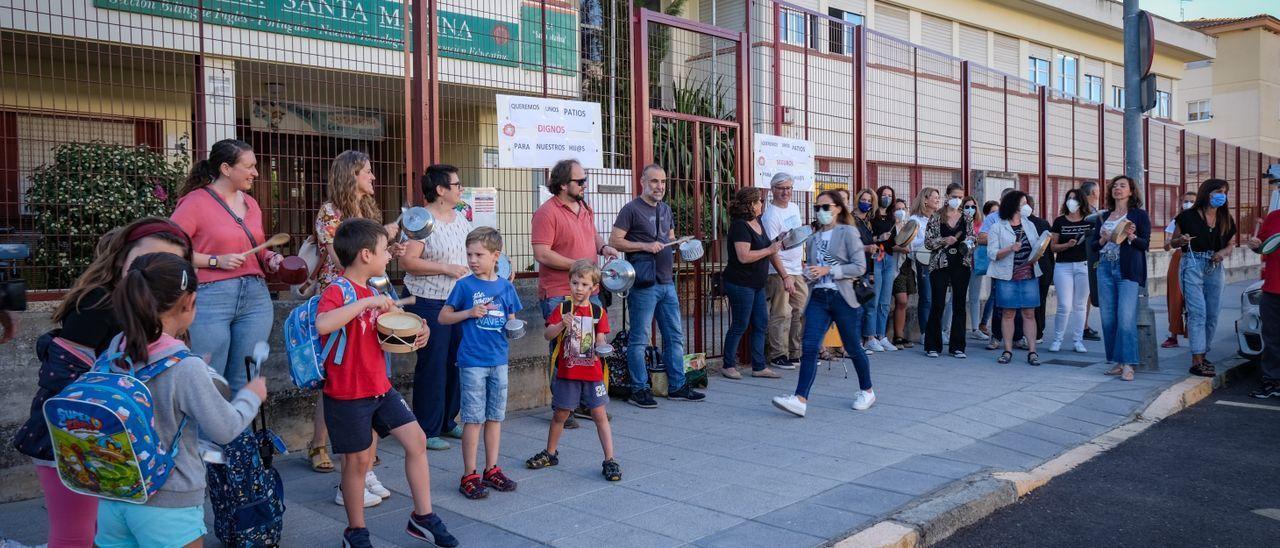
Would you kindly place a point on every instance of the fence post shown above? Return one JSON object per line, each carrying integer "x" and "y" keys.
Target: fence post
{"x": 1239, "y": 206}
{"x": 1213, "y": 158}
{"x": 966, "y": 148}
{"x": 777, "y": 69}
{"x": 1043, "y": 138}
{"x": 1102, "y": 142}
{"x": 860, "y": 125}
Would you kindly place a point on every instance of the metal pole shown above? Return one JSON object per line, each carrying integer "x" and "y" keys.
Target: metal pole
{"x": 1133, "y": 168}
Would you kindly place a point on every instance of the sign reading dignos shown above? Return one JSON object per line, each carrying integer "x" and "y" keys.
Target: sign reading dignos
{"x": 775, "y": 154}
{"x": 536, "y": 132}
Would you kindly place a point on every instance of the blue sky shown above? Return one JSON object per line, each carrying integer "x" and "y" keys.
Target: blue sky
{"x": 1196, "y": 9}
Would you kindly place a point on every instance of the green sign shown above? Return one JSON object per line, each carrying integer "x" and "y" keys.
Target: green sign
{"x": 562, "y": 38}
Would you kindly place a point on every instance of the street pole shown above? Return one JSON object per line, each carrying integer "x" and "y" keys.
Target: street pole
{"x": 1133, "y": 167}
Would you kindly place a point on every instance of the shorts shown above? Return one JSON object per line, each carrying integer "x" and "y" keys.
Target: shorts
{"x": 121, "y": 525}
{"x": 484, "y": 393}
{"x": 1011, "y": 295}
{"x": 350, "y": 421}
{"x": 906, "y": 280}
{"x": 568, "y": 394}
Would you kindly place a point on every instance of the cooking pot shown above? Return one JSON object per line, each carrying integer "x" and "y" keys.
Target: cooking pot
{"x": 516, "y": 329}
{"x": 795, "y": 237}
{"x": 618, "y": 276}
{"x": 293, "y": 270}
{"x": 415, "y": 223}
{"x": 691, "y": 250}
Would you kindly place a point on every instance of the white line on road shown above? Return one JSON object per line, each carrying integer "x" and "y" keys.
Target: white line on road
{"x": 1249, "y": 405}
{"x": 1273, "y": 513}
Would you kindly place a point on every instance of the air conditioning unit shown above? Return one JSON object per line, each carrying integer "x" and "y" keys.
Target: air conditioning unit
{"x": 987, "y": 185}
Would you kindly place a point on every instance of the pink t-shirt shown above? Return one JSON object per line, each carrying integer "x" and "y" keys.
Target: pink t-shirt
{"x": 214, "y": 232}
{"x": 570, "y": 234}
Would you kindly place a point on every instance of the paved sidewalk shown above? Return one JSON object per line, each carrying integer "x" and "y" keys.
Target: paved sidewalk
{"x": 734, "y": 471}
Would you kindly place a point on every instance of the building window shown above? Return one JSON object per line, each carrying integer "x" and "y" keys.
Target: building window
{"x": 1117, "y": 97}
{"x": 1163, "y": 105}
{"x": 793, "y": 31}
{"x": 842, "y": 35}
{"x": 1199, "y": 111}
{"x": 1093, "y": 88}
{"x": 1066, "y": 69}
{"x": 1038, "y": 70}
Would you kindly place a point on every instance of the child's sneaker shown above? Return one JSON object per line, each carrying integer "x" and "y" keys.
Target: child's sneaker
{"x": 472, "y": 487}
{"x": 542, "y": 460}
{"x": 370, "y": 499}
{"x": 356, "y": 538}
{"x": 494, "y": 478}
{"x": 430, "y": 529}
{"x": 611, "y": 470}
{"x": 372, "y": 485}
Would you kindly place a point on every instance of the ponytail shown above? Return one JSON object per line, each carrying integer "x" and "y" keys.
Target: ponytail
{"x": 204, "y": 172}
{"x": 152, "y": 286}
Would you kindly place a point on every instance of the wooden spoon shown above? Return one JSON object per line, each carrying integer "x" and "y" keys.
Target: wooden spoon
{"x": 276, "y": 240}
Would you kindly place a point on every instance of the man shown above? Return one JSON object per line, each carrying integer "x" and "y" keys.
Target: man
{"x": 1269, "y": 310}
{"x": 642, "y": 229}
{"x": 563, "y": 231}
{"x": 787, "y": 298}
{"x": 1093, "y": 194}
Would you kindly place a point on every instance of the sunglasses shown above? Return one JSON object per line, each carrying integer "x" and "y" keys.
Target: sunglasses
{"x": 582, "y": 181}
{"x": 823, "y": 207}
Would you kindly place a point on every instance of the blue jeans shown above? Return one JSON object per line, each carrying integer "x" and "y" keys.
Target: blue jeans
{"x": 656, "y": 301}
{"x": 1202, "y": 281}
{"x": 1118, "y": 303}
{"x": 975, "y": 299}
{"x": 484, "y": 394}
{"x": 231, "y": 316}
{"x": 924, "y": 295}
{"x": 876, "y": 311}
{"x": 746, "y": 305}
{"x": 436, "y": 396}
{"x": 827, "y": 306}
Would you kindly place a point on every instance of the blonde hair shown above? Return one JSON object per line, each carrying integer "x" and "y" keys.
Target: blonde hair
{"x": 585, "y": 268}
{"x": 344, "y": 194}
{"x": 917, "y": 205}
{"x": 487, "y": 236}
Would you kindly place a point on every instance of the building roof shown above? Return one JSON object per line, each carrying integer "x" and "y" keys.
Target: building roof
{"x": 1215, "y": 25}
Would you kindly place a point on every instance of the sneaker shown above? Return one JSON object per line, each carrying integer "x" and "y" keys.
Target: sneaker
{"x": 542, "y": 460}
{"x": 430, "y": 529}
{"x": 686, "y": 393}
{"x": 932, "y": 353}
{"x": 993, "y": 344}
{"x": 437, "y": 444}
{"x": 610, "y": 470}
{"x": 794, "y": 361}
{"x": 1091, "y": 335}
{"x": 1079, "y": 347}
{"x": 978, "y": 335}
{"x": 642, "y": 398}
{"x": 869, "y": 351}
{"x": 494, "y": 478}
{"x": 356, "y": 538}
{"x": 864, "y": 400}
{"x": 370, "y": 499}
{"x": 874, "y": 344}
{"x": 1055, "y": 346}
{"x": 888, "y": 346}
{"x": 1021, "y": 344}
{"x": 456, "y": 433}
{"x": 570, "y": 423}
{"x": 783, "y": 363}
{"x": 1171, "y": 342}
{"x": 372, "y": 485}
{"x": 1267, "y": 390}
{"x": 731, "y": 372}
{"x": 1040, "y": 340}
{"x": 582, "y": 412}
{"x": 958, "y": 354}
{"x": 790, "y": 404}
{"x": 472, "y": 487}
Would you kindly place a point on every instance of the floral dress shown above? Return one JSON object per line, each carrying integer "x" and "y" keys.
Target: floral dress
{"x": 327, "y": 222}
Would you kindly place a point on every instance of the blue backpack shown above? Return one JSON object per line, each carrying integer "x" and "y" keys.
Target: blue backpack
{"x": 102, "y": 427}
{"x": 302, "y": 340}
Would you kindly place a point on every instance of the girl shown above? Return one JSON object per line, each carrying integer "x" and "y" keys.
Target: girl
{"x": 744, "y": 279}
{"x": 1122, "y": 272}
{"x": 904, "y": 281}
{"x": 1173, "y": 289}
{"x": 984, "y": 328}
{"x": 969, "y": 208}
{"x": 865, "y": 209}
{"x": 1010, "y": 244}
{"x": 925, "y": 205}
{"x": 86, "y": 326}
{"x": 1071, "y": 272}
{"x": 883, "y": 268}
{"x": 1208, "y": 231}
{"x": 949, "y": 235}
{"x": 155, "y": 304}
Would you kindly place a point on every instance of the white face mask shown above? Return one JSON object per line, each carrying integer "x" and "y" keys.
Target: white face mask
{"x": 1187, "y": 205}
{"x": 900, "y": 214}
{"x": 953, "y": 203}
{"x": 824, "y": 217}
{"x": 1073, "y": 205}
{"x": 1025, "y": 210}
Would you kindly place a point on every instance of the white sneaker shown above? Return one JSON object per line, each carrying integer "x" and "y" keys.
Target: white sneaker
{"x": 869, "y": 351}
{"x": 790, "y": 404}
{"x": 864, "y": 400}
{"x": 370, "y": 499}
{"x": 887, "y": 345}
{"x": 874, "y": 344}
{"x": 372, "y": 485}
{"x": 978, "y": 335}
{"x": 1079, "y": 347}
{"x": 1055, "y": 346}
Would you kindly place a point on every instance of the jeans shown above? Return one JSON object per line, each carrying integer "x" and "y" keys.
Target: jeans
{"x": 957, "y": 279}
{"x": 1118, "y": 303}
{"x": 436, "y": 397}
{"x": 827, "y": 306}
{"x": 1269, "y": 313}
{"x": 746, "y": 305}
{"x": 975, "y": 299}
{"x": 786, "y": 318}
{"x": 645, "y": 304}
{"x": 1202, "y": 281}
{"x": 924, "y": 295}
{"x": 988, "y": 307}
{"x": 484, "y": 394}
{"x": 1072, "y": 283}
{"x": 231, "y": 317}
{"x": 876, "y": 311}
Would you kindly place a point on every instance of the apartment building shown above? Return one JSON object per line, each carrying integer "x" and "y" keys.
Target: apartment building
{"x": 1236, "y": 97}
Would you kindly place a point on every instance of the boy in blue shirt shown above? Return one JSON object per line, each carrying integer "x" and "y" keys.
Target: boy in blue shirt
{"x": 482, "y": 303}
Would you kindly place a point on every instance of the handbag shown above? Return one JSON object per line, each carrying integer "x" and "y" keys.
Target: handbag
{"x": 645, "y": 263}
{"x": 980, "y": 260}
{"x": 864, "y": 289}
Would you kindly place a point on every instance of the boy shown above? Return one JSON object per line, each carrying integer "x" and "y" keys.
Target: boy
{"x": 578, "y": 327}
{"x": 482, "y": 303}
{"x": 358, "y": 397}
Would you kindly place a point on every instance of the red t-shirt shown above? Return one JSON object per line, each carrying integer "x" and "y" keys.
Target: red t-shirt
{"x": 363, "y": 372}
{"x": 1270, "y": 263}
{"x": 575, "y": 351}
{"x": 570, "y": 234}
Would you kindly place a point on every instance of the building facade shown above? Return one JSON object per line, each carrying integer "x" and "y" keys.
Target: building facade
{"x": 1236, "y": 97}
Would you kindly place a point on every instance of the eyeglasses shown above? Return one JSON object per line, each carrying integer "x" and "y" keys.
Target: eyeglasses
{"x": 582, "y": 181}
{"x": 458, "y": 184}
{"x": 822, "y": 207}
{"x": 782, "y": 189}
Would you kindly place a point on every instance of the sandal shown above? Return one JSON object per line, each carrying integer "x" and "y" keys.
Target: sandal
{"x": 320, "y": 461}
{"x": 611, "y": 470}
{"x": 542, "y": 460}
{"x": 1203, "y": 370}
{"x": 1033, "y": 358}
{"x": 1114, "y": 371}
{"x": 1126, "y": 373}
{"x": 1005, "y": 358}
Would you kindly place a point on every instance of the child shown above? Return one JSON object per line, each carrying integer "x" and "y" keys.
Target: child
{"x": 155, "y": 303}
{"x": 482, "y": 303}
{"x": 358, "y": 397}
{"x": 578, "y": 329}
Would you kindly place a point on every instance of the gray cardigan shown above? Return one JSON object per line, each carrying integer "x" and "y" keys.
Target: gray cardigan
{"x": 846, "y": 249}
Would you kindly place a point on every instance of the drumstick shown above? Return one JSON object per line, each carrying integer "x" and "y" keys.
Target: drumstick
{"x": 678, "y": 241}
{"x": 278, "y": 239}
{"x": 406, "y": 301}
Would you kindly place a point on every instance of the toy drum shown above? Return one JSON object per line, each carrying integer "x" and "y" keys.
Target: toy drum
{"x": 1122, "y": 231}
{"x": 398, "y": 331}
{"x": 1270, "y": 245}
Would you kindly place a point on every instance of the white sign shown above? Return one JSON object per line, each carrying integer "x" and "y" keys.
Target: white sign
{"x": 537, "y": 132}
{"x": 775, "y": 154}
{"x": 480, "y": 206}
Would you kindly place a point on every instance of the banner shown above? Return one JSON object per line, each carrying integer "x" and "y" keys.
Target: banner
{"x": 480, "y": 206}
{"x": 537, "y": 132}
{"x": 794, "y": 157}
{"x": 300, "y": 118}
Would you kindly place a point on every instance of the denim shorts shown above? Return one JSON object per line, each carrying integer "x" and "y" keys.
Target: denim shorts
{"x": 125, "y": 525}
{"x": 484, "y": 393}
{"x": 568, "y": 394}
{"x": 1011, "y": 295}
{"x": 349, "y": 421}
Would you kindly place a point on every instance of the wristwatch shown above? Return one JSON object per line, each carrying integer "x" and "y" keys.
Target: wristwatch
{"x": 213, "y": 261}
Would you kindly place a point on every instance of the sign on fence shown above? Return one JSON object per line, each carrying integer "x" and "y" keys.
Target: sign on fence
{"x": 480, "y": 206}
{"x": 775, "y": 154}
{"x": 537, "y": 132}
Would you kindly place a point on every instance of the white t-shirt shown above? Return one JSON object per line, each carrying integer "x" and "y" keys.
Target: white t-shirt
{"x": 775, "y": 221}
{"x": 824, "y": 259}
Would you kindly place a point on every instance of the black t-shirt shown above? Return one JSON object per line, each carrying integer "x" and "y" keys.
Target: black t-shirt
{"x": 881, "y": 225}
{"x": 644, "y": 223}
{"x": 92, "y": 323}
{"x": 751, "y": 275}
{"x": 1066, "y": 229}
{"x": 1191, "y": 222}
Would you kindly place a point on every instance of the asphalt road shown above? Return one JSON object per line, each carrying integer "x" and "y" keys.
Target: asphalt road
{"x": 1208, "y": 476}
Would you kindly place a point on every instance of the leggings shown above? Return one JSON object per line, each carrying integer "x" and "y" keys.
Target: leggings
{"x": 73, "y": 518}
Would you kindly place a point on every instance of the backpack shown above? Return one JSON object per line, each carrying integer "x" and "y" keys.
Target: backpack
{"x": 618, "y": 377}
{"x": 302, "y": 340}
{"x": 566, "y": 307}
{"x": 102, "y": 427}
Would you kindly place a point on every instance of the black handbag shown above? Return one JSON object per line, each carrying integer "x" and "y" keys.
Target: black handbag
{"x": 864, "y": 289}
{"x": 644, "y": 262}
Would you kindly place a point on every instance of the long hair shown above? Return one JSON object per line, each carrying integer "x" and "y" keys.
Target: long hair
{"x": 1078, "y": 196}
{"x": 152, "y": 286}
{"x": 108, "y": 259}
{"x": 743, "y": 199}
{"x": 204, "y": 172}
{"x": 874, "y": 202}
{"x": 885, "y": 211}
{"x": 1225, "y": 221}
{"x": 344, "y": 193}
{"x": 1135, "y": 199}
{"x": 917, "y": 205}
{"x": 845, "y": 217}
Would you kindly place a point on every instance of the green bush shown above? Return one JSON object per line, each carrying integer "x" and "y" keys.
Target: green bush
{"x": 89, "y": 189}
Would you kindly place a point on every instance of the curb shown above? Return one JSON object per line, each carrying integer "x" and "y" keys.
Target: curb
{"x": 972, "y": 499}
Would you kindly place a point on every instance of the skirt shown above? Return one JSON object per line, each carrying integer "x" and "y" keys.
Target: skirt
{"x": 1011, "y": 295}
{"x": 1173, "y": 296}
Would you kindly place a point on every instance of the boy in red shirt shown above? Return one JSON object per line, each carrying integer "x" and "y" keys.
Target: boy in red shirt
{"x": 358, "y": 397}
{"x": 578, "y": 327}
{"x": 1269, "y": 309}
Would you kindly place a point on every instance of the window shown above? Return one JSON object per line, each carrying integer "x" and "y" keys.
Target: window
{"x": 1199, "y": 111}
{"x": 842, "y": 35}
{"x": 793, "y": 31}
{"x": 1066, "y": 73}
{"x": 1163, "y": 104}
{"x": 1093, "y": 88}
{"x": 1117, "y": 97}
{"x": 1038, "y": 70}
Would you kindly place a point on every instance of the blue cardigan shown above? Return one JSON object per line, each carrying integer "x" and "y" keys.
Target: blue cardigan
{"x": 1133, "y": 255}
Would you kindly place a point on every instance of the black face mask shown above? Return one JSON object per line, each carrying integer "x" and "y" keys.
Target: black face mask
{"x": 885, "y": 201}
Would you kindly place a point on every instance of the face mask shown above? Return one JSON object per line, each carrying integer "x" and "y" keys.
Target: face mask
{"x": 885, "y": 201}
{"x": 1187, "y": 205}
{"x": 953, "y": 203}
{"x": 970, "y": 211}
{"x": 824, "y": 217}
{"x": 1217, "y": 200}
{"x": 1073, "y": 205}
{"x": 900, "y": 214}
{"x": 864, "y": 207}
{"x": 1025, "y": 210}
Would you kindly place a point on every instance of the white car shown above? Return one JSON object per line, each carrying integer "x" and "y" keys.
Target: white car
{"x": 1249, "y": 326}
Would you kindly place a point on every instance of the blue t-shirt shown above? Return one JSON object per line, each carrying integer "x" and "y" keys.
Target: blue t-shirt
{"x": 484, "y": 340}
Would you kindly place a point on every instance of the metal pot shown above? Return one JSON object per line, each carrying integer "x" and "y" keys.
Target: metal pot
{"x": 382, "y": 285}
{"x": 795, "y": 237}
{"x": 516, "y": 329}
{"x": 618, "y": 276}
{"x": 604, "y": 350}
{"x": 691, "y": 250}
{"x": 293, "y": 270}
{"x": 416, "y": 223}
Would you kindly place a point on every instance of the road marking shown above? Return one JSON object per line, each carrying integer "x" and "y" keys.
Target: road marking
{"x": 1273, "y": 513}
{"x": 1249, "y": 405}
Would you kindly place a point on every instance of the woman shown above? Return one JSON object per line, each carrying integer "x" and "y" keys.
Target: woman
{"x": 1010, "y": 244}
{"x": 1208, "y": 231}
{"x": 1071, "y": 271}
{"x": 865, "y": 210}
{"x": 233, "y": 306}
{"x": 904, "y": 280}
{"x": 883, "y": 267}
{"x": 836, "y": 257}
{"x": 988, "y": 307}
{"x": 949, "y": 236}
{"x": 1122, "y": 272}
{"x": 1173, "y": 289}
{"x": 969, "y": 207}
{"x": 86, "y": 326}
{"x": 922, "y": 209}
{"x": 750, "y": 252}
{"x": 432, "y": 267}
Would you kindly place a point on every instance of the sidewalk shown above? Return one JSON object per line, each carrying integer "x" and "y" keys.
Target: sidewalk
{"x": 734, "y": 471}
